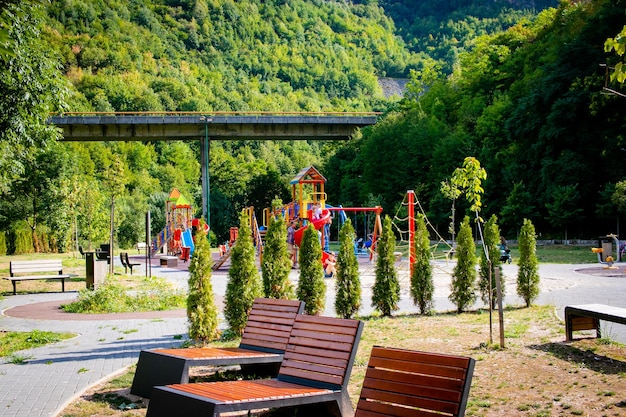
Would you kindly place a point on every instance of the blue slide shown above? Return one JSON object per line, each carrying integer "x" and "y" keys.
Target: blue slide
{"x": 188, "y": 240}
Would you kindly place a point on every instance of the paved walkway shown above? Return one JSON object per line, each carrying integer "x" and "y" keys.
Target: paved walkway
{"x": 56, "y": 374}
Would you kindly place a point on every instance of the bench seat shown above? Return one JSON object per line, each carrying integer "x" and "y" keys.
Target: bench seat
{"x": 588, "y": 316}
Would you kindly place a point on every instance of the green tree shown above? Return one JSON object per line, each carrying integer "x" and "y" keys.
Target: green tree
{"x": 311, "y": 285}
{"x": 386, "y": 290}
{"x": 422, "y": 285}
{"x": 464, "y": 274}
{"x": 276, "y": 261}
{"x": 528, "y": 275}
{"x": 201, "y": 309}
{"x": 32, "y": 86}
{"x": 348, "y": 284}
{"x": 244, "y": 281}
{"x": 618, "y": 43}
{"x": 491, "y": 238}
{"x": 564, "y": 207}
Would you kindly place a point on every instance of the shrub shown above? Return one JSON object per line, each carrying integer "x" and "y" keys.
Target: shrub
{"x": 491, "y": 236}
{"x": 348, "y": 285}
{"x": 244, "y": 282}
{"x": 3, "y": 243}
{"x": 311, "y": 285}
{"x": 464, "y": 273}
{"x": 201, "y": 310}
{"x": 386, "y": 291}
{"x": 422, "y": 286}
{"x": 527, "y": 274}
{"x": 276, "y": 262}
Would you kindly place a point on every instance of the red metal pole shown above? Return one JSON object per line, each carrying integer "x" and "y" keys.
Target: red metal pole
{"x": 411, "y": 198}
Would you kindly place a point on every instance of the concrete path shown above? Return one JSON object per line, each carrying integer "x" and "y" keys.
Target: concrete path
{"x": 56, "y": 374}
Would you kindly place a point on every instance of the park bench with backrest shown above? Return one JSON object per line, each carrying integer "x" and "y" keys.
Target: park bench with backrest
{"x": 37, "y": 270}
{"x": 261, "y": 349}
{"x": 129, "y": 264}
{"x": 400, "y": 383}
{"x": 313, "y": 377}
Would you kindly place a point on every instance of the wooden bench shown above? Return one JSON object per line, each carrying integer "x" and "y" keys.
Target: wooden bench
{"x": 314, "y": 376}
{"x": 141, "y": 246}
{"x": 48, "y": 267}
{"x": 261, "y": 349}
{"x": 400, "y": 382}
{"x": 588, "y": 316}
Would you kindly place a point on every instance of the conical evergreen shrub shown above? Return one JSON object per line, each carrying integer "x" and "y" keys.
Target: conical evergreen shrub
{"x": 348, "y": 284}
{"x": 528, "y": 272}
{"x": 463, "y": 283}
{"x": 386, "y": 291}
{"x": 276, "y": 261}
{"x": 201, "y": 310}
{"x": 422, "y": 285}
{"x": 244, "y": 281}
{"x": 311, "y": 285}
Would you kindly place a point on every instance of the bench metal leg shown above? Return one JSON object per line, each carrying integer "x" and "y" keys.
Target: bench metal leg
{"x": 63, "y": 285}
{"x": 14, "y": 287}
{"x": 156, "y": 369}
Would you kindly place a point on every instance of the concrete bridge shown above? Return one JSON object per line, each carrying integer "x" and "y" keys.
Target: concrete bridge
{"x": 211, "y": 126}
{"x": 208, "y": 126}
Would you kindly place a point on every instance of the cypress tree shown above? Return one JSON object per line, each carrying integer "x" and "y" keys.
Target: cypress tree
{"x": 491, "y": 235}
{"x": 244, "y": 281}
{"x": 527, "y": 274}
{"x": 386, "y": 290}
{"x": 3, "y": 244}
{"x": 311, "y": 285}
{"x": 201, "y": 310}
{"x": 276, "y": 262}
{"x": 422, "y": 286}
{"x": 464, "y": 274}
{"x": 348, "y": 284}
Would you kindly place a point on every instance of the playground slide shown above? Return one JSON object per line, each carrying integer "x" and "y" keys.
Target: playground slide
{"x": 187, "y": 240}
{"x": 318, "y": 224}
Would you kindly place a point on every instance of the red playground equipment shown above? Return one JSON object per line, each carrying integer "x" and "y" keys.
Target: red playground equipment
{"x": 178, "y": 225}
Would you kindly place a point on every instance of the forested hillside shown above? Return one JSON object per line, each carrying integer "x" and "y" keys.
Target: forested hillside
{"x": 489, "y": 79}
{"x": 529, "y": 104}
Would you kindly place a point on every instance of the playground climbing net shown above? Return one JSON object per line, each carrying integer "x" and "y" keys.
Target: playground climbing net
{"x": 440, "y": 250}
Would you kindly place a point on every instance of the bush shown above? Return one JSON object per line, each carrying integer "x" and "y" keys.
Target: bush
{"x": 527, "y": 274}
{"x": 311, "y": 285}
{"x": 244, "y": 282}
{"x": 201, "y": 310}
{"x": 422, "y": 285}
{"x": 276, "y": 262}
{"x": 348, "y": 285}
{"x": 3, "y": 243}
{"x": 386, "y": 291}
{"x": 464, "y": 274}
{"x": 491, "y": 240}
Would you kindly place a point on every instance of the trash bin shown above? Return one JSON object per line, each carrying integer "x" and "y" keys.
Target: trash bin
{"x": 96, "y": 270}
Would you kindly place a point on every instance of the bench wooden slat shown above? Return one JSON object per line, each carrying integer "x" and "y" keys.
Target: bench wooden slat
{"x": 268, "y": 339}
{"x": 400, "y": 383}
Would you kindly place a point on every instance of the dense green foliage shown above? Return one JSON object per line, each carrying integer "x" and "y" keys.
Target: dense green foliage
{"x": 520, "y": 91}
{"x": 528, "y": 272}
{"x": 348, "y": 283}
{"x": 488, "y": 266}
{"x": 311, "y": 286}
{"x": 276, "y": 261}
{"x": 201, "y": 309}
{"x": 462, "y": 287}
{"x": 244, "y": 281}
{"x": 528, "y": 102}
{"x": 386, "y": 289}
{"x": 422, "y": 284}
